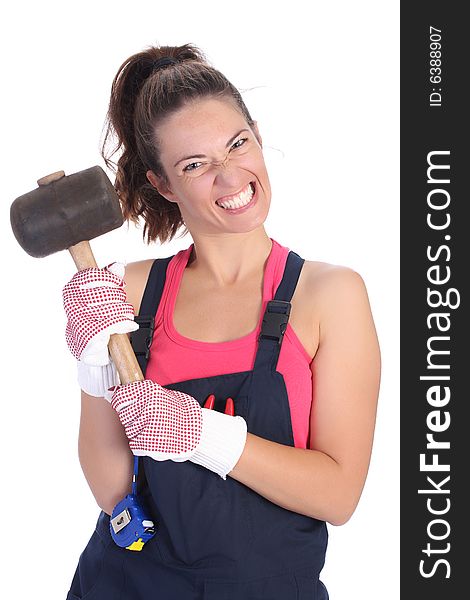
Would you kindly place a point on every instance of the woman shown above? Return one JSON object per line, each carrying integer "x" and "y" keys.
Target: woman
{"x": 255, "y": 420}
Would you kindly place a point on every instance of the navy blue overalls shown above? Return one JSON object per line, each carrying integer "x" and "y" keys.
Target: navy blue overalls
{"x": 215, "y": 539}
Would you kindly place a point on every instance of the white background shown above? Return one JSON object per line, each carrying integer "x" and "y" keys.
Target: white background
{"x": 321, "y": 79}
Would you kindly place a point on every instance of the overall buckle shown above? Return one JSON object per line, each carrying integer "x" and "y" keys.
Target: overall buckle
{"x": 141, "y": 339}
{"x": 275, "y": 320}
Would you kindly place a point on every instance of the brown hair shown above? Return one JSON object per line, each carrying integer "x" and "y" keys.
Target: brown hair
{"x": 141, "y": 97}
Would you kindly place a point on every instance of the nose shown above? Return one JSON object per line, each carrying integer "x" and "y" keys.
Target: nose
{"x": 228, "y": 175}
{"x": 223, "y": 164}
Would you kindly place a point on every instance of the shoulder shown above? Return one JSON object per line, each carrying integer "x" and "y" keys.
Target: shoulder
{"x": 329, "y": 283}
{"x": 136, "y": 276}
{"x": 335, "y": 297}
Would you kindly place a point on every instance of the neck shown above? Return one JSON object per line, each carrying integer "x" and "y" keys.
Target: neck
{"x": 228, "y": 259}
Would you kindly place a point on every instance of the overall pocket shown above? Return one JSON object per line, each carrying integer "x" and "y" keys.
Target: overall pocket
{"x": 89, "y": 568}
{"x": 201, "y": 519}
{"x": 98, "y": 573}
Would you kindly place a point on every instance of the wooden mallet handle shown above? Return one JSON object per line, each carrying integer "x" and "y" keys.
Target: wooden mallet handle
{"x": 119, "y": 345}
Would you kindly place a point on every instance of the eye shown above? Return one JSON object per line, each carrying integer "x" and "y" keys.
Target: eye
{"x": 239, "y": 143}
{"x": 191, "y": 167}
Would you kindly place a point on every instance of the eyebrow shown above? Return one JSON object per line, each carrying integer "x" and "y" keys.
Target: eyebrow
{"x": 203, "y": 155}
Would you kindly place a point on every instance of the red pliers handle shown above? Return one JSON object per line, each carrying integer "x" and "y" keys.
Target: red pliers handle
{"x": 229, "y": 406}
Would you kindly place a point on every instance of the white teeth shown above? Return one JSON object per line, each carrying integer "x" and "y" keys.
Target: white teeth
{"x": 242, "y": 199}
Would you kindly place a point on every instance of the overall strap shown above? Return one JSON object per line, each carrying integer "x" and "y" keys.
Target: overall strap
{"x": 276, "y": 315}
{"x": 273, "y": 328}
{"x": 141, "y": 340}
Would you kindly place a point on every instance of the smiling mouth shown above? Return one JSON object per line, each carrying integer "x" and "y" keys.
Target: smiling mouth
{"x": 240, "y": 200}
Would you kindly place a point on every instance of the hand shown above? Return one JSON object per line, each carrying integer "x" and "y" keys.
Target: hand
{"x": 171, "y": 425}
{"x": 96, "y": 307}
{"x": 160, "y": 423}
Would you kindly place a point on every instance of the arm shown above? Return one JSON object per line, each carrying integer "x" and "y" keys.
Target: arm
{"x": 103, "y": 448}
{"x": 105, "y": 457}
{"x": 326, "y": 480}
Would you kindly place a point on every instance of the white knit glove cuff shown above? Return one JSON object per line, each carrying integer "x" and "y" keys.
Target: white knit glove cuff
{"x": 96, "y": 380}
{"x": 223, "y": 439}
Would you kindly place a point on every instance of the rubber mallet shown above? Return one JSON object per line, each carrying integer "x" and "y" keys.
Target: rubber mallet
{"x": 64, "y": 213}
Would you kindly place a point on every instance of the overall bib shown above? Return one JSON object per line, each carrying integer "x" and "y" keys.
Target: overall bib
{"x": 215, "y": 539}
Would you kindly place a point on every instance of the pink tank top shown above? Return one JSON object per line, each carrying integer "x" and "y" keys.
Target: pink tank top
{"x": 175, "y": 357}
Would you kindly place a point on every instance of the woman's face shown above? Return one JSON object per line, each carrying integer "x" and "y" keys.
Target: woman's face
{"x": 212, "y": 159}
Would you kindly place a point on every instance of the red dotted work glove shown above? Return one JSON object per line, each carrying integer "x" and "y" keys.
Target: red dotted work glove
{"x": 95, "y": 305}
{"x": 171, "y": 425}
{"x": 160, "y": 423}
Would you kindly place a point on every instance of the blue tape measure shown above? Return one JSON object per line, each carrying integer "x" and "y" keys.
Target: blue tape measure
{"x": 130, "y": 525}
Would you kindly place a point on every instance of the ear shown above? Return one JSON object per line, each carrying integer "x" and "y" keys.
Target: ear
{"x": 162, "y": 188}
{"x": 255, "y": 129}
